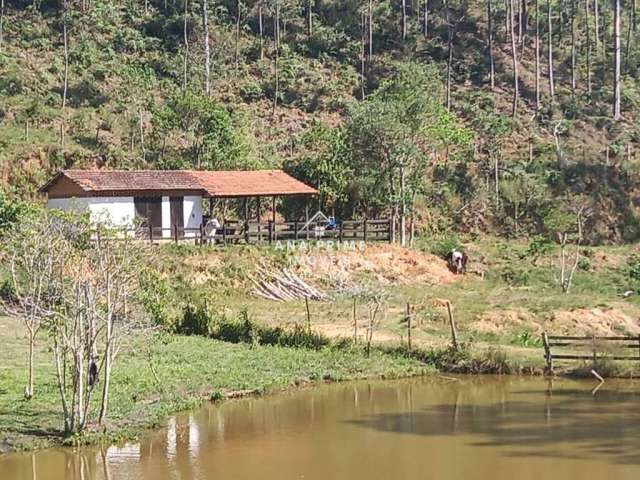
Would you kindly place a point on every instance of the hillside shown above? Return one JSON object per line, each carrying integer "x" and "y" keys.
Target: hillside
{"x": 135, "y": 97}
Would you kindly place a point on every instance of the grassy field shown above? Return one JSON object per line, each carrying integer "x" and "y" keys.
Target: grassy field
{"x": 153, "y": 379}
{"x": 500, "y": 307}
{"x": 507, "y": 300}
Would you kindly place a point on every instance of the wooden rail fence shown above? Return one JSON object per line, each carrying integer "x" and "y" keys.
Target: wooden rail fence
{"x": 591, "y": 348}
{"x": 268, "y": 232}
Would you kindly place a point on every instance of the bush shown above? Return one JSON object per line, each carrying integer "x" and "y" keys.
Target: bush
{"x": 443, "y": 245}
{"x": 515, "y": 277}
{"x": 246, "y": 330}
{"x": 196, "y": 320}
{"x": 634, "y": 268}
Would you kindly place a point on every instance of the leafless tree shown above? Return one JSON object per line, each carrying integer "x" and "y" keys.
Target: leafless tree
{"x": 261, "y": 29}
{"x": 404, "y": 21}
{"x": 514, "y": 56}
{"x": 550, "y": 50}
{"x": 573, "y": 47}
{"x": 65, "y": 40}
{"x": 276, "y": 24}
{"x": 425, "y": 18}
{"x": 186, "y": 46}
{"x": 617, "y": 80}
{"x": 588, "y": 39}
{"x": 207, "y": 54}
{"x": 1, "y": 23}
{"x": 310, "y": 4}
{"x": 237, "y": 34}
{"x": 537, "y": 48}
{"x": 35, "y": 257}
{"x": 490, "y": 35}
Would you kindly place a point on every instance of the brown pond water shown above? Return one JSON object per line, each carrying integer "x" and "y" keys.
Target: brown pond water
{"x": 429, "y": 428}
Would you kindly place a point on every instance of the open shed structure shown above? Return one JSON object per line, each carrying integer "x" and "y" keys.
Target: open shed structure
{"x": 182, "y": 204}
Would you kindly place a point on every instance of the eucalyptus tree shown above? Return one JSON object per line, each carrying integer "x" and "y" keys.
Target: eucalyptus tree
{"x": 617, "y": 80}
{"x": 207, "y": 54}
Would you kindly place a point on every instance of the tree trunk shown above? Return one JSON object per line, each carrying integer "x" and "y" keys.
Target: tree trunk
{"x": 63, "y": 127}
{"x": 596, "y": 15}
{"x": 237, "y": 50}
{"x": 630, "y": 31}
{"x": 207, "y": 55}
{"x": 617, "y": 81}
{"x": 588, "y": 21}
{"x": 492, "y": 73}
{"x": 496, "y": 178}
{"x": 404, "y": 21}
{"x": 450, "y": 56}
{"x": 1, "y": 23}
{"x": 514, "y": 56}
{"x": 186, "y": 47}
{"x": 277, "y": 57}
{"x": 425, "y": 25}
{"x": 108, "y": 360}
{"x": 363, "y": 47}
{"x": 550, "y": 35}
{"x": 573, "y": 48}
{"x": 403, "y": 208}
{"x": 261, "y": 28}
{"x": 537, "y": 47}
{"x": 370, "y": 32}
{"x": 28, "y": 391}
{"x": 310, "y": 18}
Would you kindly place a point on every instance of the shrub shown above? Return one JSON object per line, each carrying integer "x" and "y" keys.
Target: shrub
{"x": 246, "y": 330}
{"x": 514, "y": 276}
{"x": 196, "y": 320}
{"x": 634, "y": 268}
{"x": 443, "y": 245}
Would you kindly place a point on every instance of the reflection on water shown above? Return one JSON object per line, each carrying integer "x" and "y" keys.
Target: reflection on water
{"x": 480, "y": 427}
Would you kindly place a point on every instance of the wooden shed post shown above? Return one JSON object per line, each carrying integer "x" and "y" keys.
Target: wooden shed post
{"x": 306, "y": 215}
{"x": 246, "y": 220}
{"x": 258, "y": 208}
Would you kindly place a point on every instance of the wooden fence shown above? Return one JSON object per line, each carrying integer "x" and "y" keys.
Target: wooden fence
{"x": 589, "y": 348}
{"x": 269, "y": 232}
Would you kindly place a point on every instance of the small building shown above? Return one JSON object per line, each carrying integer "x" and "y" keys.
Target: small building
{"x": 164, "y": 201}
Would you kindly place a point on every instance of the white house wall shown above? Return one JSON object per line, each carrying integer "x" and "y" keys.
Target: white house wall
{"x": 115, "y": 211}
{"x": 166, "y": 217}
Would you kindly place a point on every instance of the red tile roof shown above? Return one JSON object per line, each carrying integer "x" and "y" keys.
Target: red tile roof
{"x": 251, "y": 183}
{"x": 211, "y": 183}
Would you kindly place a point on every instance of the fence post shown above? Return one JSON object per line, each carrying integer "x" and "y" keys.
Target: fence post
{"x": 547, "y": 353}
{"x": 270, "y": 231}
{"x": 246, "y": 231}
{"x": 409, "y": 324}
{"x": 175, "y": 233}
{"x": 150, "y": 233}
{"x": 341, "y": 231}
{"x": 202, "y": 234}
{"x": 365, "y": 229}
{"x": 452, "y": 326}
{"x": 295, "y": 230}
{"x": 224, "y": 232}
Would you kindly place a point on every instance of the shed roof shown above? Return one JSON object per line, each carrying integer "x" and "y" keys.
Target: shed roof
{"x": 251, "y": 183}
{"x": 221, "y": 184}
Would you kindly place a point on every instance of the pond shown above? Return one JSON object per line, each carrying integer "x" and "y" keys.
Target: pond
{"x": 428, "y": 428}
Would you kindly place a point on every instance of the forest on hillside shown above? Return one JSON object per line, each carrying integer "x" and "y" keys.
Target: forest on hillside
{"x": 509, "y": 117}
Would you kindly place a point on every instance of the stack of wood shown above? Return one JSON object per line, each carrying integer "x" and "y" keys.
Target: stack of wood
{"x": 284, "y": 286}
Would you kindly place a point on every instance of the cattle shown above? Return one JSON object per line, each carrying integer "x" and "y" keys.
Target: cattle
{"x": 457, "y": 261}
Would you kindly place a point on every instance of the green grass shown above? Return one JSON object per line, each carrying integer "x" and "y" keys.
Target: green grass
{"x": 188, "y": 371}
